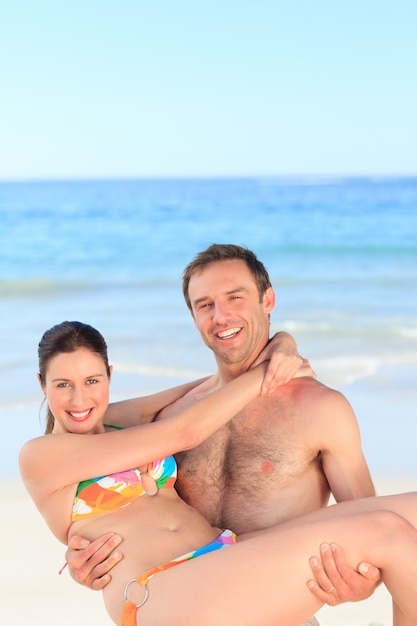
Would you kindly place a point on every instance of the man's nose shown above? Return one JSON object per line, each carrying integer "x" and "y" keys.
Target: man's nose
{"x": 220, "y": 311}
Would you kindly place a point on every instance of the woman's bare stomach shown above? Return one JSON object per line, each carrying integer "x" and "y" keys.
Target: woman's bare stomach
{"x": 155, "y": 530}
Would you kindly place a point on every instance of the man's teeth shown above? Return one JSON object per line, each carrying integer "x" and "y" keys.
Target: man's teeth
{"x": 79, "y": 415}
{"x": 228, "y": 333}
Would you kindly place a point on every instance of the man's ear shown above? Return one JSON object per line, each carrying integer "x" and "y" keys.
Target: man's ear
{"x": 269, "y": 300}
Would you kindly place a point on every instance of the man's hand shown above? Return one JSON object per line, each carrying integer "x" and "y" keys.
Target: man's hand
{"x": 336, "y": 582}
{"x": 90, "y": 562}
{"x": 284, "y": 362}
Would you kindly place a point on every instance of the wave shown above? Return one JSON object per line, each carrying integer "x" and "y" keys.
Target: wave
{"x": 368, "y": 329}
{"x": 346, "y": 370}
{"x": 162, "y": 372}
{"x": 36, "y": 288}
{"x": 21, "y": 405}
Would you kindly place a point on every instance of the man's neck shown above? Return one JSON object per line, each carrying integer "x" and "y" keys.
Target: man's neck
{"x": 229, "y": 371}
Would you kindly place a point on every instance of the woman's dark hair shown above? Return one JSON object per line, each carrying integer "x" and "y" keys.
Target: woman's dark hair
{"x": 68, "y": 337}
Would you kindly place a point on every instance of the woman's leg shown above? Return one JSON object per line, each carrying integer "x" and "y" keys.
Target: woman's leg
{"x": 262, "y": 580}
{"x": 399, "y": 619}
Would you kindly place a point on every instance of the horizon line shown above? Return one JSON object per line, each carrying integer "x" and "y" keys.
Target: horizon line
{"x": 322, "y": 177}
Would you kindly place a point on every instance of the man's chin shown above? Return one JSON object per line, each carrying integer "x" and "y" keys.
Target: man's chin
{"x": 231, "y": 357}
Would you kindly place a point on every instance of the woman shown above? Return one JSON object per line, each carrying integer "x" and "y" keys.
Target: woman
{"x": 258, "y": 579}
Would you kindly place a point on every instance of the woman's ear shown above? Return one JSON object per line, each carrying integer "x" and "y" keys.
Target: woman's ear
{"x": 110, "y": 371}
{"x": 42, "y": 386}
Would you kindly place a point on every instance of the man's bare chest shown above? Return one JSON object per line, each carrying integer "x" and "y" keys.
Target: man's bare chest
{"x": 250, "y": 452}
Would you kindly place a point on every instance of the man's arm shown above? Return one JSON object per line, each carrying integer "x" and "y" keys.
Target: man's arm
{"x": 336, "y": 582}
{"x": 349, "y": 478}
{"x": 344, "y": 463}
{"x": 89, "y": 563}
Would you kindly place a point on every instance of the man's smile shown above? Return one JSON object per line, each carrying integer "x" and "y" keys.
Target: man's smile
{"x": 231, "y": 332}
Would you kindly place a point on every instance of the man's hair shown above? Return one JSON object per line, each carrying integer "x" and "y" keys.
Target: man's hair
{"x": 226, "y": 252}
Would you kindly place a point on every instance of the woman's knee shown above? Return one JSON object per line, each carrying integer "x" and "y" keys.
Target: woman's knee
{"x": 387, "y": 525}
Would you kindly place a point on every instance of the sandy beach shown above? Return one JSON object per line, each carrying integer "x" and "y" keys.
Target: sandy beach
{"x": 34, "y": 593}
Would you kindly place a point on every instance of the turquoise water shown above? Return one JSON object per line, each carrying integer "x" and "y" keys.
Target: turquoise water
{"x": 342, "y": 255}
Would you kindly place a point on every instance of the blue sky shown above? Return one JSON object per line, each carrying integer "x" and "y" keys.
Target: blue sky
{"x": 129, "y": 88}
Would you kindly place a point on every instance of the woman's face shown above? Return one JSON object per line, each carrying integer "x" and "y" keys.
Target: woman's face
{"x": 77, "y": 391}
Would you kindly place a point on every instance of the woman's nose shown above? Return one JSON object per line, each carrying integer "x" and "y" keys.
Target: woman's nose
{"x": 77, "y": 396}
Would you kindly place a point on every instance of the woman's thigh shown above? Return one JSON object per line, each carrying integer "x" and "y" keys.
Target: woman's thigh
{"x": 261, "y": 580}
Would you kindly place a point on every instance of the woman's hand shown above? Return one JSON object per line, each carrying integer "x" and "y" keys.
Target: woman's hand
{"x": 284, "y": 362}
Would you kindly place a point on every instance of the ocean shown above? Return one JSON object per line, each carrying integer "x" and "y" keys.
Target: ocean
{"x": 342, "y": 255}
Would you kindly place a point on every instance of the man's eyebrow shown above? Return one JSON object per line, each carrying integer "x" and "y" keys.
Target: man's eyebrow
{"x": 227, "y": 293}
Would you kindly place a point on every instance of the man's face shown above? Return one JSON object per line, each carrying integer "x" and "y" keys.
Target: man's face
{"x": 228, "y": 313}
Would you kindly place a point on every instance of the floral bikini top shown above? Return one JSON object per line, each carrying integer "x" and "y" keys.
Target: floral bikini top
{"x": 107, "y": 493}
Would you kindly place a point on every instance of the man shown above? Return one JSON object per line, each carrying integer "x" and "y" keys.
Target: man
{"x": 281, "y": 456}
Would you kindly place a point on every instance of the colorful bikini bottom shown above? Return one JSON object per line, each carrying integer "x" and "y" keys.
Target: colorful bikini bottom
{"x": 226, "y": 538}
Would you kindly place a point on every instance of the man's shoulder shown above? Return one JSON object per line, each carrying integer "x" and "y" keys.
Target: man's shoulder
{"x": 306, "y": 398}
{"x": 306, "y": 388}
{"x": 328, "y": 409}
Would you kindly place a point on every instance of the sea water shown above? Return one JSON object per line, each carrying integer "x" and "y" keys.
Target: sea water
{"x": 342, "y": 255}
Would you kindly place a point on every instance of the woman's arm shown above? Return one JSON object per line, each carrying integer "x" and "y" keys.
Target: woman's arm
{"x": 142, "y": 410}
{"x": 284, "y": 362}
{"x": 68, "y": 458}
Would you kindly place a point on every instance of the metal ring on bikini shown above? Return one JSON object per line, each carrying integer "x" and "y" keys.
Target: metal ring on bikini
{"x": 145, "y": 586}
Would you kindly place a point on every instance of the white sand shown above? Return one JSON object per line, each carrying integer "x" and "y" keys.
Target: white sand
{"x": 33, "y": 592}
